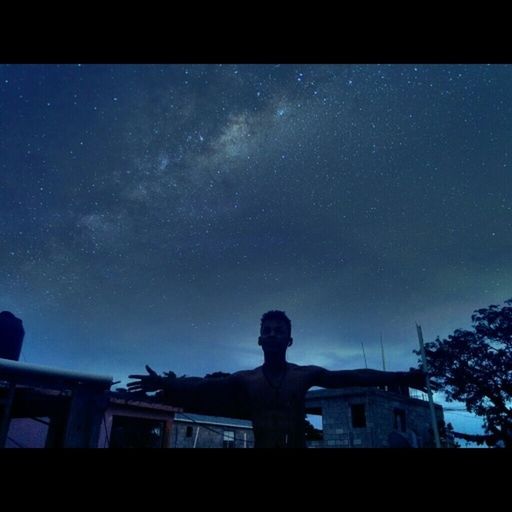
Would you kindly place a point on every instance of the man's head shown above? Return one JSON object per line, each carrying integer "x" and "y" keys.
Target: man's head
{"x": 275, "y": 331}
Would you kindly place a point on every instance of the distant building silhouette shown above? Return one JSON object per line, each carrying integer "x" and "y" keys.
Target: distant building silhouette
{"x": 11, "y": 336}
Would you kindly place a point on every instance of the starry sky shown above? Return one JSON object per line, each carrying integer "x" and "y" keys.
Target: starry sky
{"x": 151, "y": 213}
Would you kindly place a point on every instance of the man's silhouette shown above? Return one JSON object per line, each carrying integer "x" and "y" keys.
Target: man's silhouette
{"x": 273, "y": 395}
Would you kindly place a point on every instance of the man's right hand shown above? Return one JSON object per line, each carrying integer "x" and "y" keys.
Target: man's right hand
{"x": 146, "y": 383}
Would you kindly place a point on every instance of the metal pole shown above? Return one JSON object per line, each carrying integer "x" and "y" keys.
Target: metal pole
{"x": 364, "y": 355}
{"x": 382, "y": 352}
{"x": 195, "y": 439}
{"x": 429, "y": 390}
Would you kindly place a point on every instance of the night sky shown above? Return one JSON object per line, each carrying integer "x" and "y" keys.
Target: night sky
{"x": 151, "y": 213}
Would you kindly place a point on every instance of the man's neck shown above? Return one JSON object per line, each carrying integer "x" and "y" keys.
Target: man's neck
{"x": 275, "y": 361}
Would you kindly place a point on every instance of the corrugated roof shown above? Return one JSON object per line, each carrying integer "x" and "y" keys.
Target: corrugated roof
{"x": 143, "y": 404}
{"x": 212, "y": 420}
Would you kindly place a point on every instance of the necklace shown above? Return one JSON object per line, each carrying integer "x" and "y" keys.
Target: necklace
{"x": 276, "y": 384}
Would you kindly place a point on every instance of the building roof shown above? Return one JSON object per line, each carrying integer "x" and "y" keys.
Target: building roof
{"x": 53, "y": 378}
{"x": 212, "y": 420}
{"x": 142, "y": 404}
{"x": 319, "y": 394}
{"x": 351, "y": 391}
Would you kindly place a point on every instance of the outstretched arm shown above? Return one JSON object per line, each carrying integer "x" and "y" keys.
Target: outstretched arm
{"x": 367, "y": 378}
{"x": 166, "y": 383}
{"x": 216, "y": 396}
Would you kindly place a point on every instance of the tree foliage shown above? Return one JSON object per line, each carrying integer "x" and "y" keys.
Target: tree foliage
{"x": 475, "y": 367}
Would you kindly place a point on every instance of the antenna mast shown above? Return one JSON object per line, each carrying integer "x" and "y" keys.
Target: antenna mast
{"x": 364, "y": 355}
{"x": 429, "y": 390}
{"x": 382, "y": 352}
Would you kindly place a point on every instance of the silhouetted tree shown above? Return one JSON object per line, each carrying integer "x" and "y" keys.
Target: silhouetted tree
{"x": 475, "y": 366}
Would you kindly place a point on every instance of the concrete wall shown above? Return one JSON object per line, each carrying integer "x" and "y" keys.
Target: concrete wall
{"x": 186, "y": 434}
{"x": 383, "y": 427}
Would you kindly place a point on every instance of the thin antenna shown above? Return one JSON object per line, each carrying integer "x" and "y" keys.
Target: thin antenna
{"x": 429, "y": 390}
{"x": 364, "y": 355}
{"x": 382, "y": 352}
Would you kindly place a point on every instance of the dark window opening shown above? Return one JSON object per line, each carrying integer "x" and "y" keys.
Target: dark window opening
{"x": 358, "y": 415}
{"x": 399, "y": 420}
{"x": 189, "y": 432}
{"x": 130, "y": 432}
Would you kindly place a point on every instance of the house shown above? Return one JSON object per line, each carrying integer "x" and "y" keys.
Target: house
{"x": 136, "y": 423}
{"x": 43, "y": 407}
{"x": 200, "y": 431}
{"x": 370, "y": 418}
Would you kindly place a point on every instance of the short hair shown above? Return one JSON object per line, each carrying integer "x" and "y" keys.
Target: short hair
{"x": 277, "y": 315}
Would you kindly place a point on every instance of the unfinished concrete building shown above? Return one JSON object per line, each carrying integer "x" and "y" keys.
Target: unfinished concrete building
{"x": 370, "y": 418}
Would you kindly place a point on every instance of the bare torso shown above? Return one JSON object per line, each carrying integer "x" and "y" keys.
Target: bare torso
{"x": 276, "y": 404}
